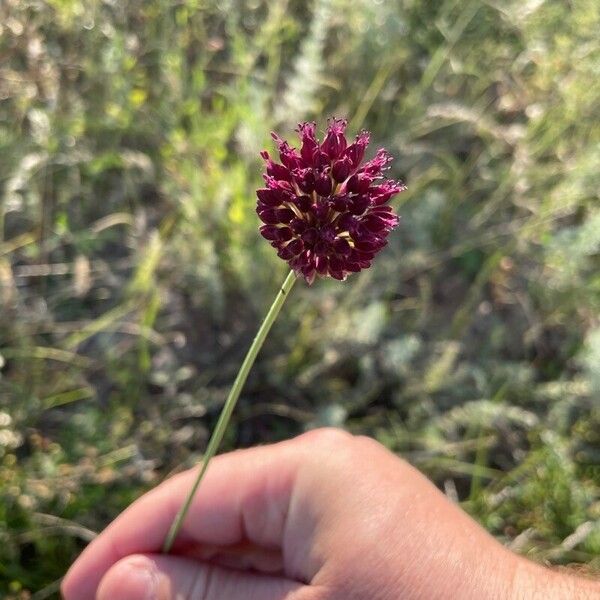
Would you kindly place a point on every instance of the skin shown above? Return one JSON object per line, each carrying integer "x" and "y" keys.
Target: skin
{"x": 324, "y": 516}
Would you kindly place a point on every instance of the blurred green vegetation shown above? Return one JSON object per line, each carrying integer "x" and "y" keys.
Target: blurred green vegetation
{"x": 132, "y": 275}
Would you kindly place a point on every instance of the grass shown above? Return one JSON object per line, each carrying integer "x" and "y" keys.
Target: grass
{"x": 132, "y": 275}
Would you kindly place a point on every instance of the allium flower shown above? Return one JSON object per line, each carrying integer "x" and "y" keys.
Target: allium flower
{"x": 325, "y": 213}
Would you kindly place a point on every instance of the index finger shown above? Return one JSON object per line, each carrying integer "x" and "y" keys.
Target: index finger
{"x": 244, "y": 497}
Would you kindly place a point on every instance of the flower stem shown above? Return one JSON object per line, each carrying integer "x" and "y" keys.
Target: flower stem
{"x": 234, "y": 394}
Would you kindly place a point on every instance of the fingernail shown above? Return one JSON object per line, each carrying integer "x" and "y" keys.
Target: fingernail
{"x": 134, "y": 578}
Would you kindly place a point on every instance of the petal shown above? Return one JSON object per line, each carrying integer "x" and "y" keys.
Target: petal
{"x": 288, "y": 155}
{"x": 270, "y": 197}
{"x": 268, "y": 216}
{"x": 346, "y": 222}
{"x": 298, "y": 225}
{"x": 320, "y": 160}
{"x": 341, "y": 169}
{"x": 336, "y": 263}
{"x": 284, "y": 215}
{"x": 284, "y": 234}
{"x": 376, "y": 223}
{"x": 286, "y": 252}
{"x": 323, "y": 185}
{"x": 366, "y": 246}
{"x": 305, "y": 178}
{"x": 304, "y": 203}
{"x": 377, "y": 164}
{"x": 327, "y": 233}
{"x": 279, "y": 185}
{"x": 359, "y": 183}
{"x": 308, "y": 268}
{"x": 270, "y": 232}
{"x": 339, "y": 202}
{"x": 339, "y": 275}
{"x": 310, "y": 236}
{"x": 342, "y": 247}
{"x": 295, "y": 246}
{"x": 352, "y": 267}
{"x": 380, "y": 194}
{"x": 320, "y": 211}
{"x": 321, "y": 249}
{"x": 335, "y": 142}
{"x": 278, "y": 171}
{"x": 356, "y": 151}
{"x": 306, "y": 131}
{"x": 358, "y": 205}
{"x": 321, "y": 264}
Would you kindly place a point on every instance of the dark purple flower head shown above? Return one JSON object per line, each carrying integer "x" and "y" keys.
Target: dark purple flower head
{"x": 325, "y": 213}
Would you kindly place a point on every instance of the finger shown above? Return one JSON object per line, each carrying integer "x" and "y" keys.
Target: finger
{"x": 244, "y": 496}
{"x": 160, "y": 577}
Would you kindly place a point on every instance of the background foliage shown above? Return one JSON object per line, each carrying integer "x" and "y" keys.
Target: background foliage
{"x": 132, "y": 275}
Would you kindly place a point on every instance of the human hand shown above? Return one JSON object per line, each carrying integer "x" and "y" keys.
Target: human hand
{"x": 325, "y": 516}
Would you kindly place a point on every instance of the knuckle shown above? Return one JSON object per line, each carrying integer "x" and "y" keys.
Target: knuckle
{"x": 329, "y": 449}
{"x": 371, "y": 447}
{"x": 327, "y": 437}
{"x": 369, "y": 442}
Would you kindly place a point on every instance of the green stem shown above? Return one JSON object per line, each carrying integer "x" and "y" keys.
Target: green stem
{"x": 234, "y": 394}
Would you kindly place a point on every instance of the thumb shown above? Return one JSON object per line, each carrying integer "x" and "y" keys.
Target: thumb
{"x": 163, "y": 577}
